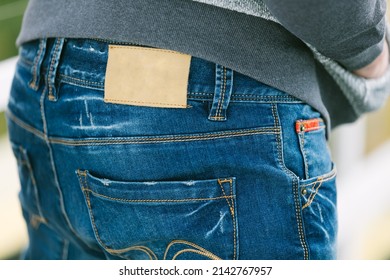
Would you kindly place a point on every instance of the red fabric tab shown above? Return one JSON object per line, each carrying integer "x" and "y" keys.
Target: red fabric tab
{"x": 308, "y": 125}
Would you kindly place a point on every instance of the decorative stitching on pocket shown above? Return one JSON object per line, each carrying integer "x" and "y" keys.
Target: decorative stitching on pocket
{"x": 316, "y": 185}
{"x": 315, "y": 189}
{"x": 153, "y": 200}
{"x": 200, "y": 250}
{"x": 191, "y": 251}
{"x": 220, "y": 182}
{"x": 325, "y": 177}
{"x": 83, "y": 180}
{"x": 146, "y": 250}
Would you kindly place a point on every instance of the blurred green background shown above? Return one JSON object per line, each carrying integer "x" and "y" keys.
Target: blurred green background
{"x": 11, "y": 12}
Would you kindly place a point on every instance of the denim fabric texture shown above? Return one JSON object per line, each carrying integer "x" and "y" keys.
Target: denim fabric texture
{"x": 242, "y": 173}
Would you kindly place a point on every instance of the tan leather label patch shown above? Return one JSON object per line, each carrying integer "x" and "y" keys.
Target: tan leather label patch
{"x": 146, "y": 77}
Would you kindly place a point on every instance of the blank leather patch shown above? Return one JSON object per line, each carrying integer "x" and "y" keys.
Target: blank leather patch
{"x": 146, "y": 77}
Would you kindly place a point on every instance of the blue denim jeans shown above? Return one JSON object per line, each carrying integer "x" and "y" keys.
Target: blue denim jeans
{"x": 112, "y": 181}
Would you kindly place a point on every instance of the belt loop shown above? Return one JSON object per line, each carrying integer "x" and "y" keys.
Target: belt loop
{"x": 53, "y": 67}
{"x": 222, "y": 93}
{"x": 36, "y": 68}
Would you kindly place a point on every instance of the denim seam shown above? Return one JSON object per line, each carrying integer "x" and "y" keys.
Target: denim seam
{"x": 243, "y": 96}
{"x": 301, "y": 137}
{"x": 83, "y": 82}
{"x": 25, "y": 126}
{"x": 272, "y": 97}
{"x": 165, "y": 139}
{"x": 119, "y": 252}
{"x": 143, "y": 140}
{"x": 257, "y": 100}
{"x": 54, "y": 170}
{"x": 232, "y": 210}
{"x": 325, "y": 178}
{"x": 22, "y": 162}
{"x": 203, "y": 251}
{"x": 298, "y": 213}
{"x": 87, "y": 189}
{"x": 266, "y": 101}
{"x": 190, "y": 95}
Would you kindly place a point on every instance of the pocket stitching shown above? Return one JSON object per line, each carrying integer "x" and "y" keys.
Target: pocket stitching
{"x": 301, "y": 137}
{"x": 232, "y": 211}
{"x": 315, "y": 189}
{"x": 314, "y": 193}
{"x": 295, "y": 183}
{"x": 86, "y": 190}
{"x": 200, "y": 250}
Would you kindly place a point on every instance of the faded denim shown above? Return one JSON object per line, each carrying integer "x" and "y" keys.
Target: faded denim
{"x": 234, "y": 176}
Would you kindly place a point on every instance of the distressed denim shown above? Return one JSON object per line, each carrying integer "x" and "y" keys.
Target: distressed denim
{"x": 243, "y": 173}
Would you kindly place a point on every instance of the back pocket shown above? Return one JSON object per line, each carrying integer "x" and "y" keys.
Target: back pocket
{"x": 163, "y": 219}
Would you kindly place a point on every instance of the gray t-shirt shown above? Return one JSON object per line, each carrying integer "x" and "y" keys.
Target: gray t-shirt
{"x": 231, "y": 34}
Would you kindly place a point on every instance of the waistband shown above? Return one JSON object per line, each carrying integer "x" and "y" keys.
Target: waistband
{"x": 83, "y": 62}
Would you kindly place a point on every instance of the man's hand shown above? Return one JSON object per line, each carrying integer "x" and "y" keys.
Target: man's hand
{"x": 376, "y": 68}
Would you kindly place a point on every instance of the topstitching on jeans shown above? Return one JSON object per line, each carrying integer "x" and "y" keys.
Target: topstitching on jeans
{"x": 51, "y": 75}
{"x": 56, "y": 54}
{"x": 298, "y": 213}
{"x": 198, "y": 250}
{"x": 83, "y": 180}
{"x": 165, "y": 138}
{"x": 34, "y": 83}
{"x": 191, "y": 95}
